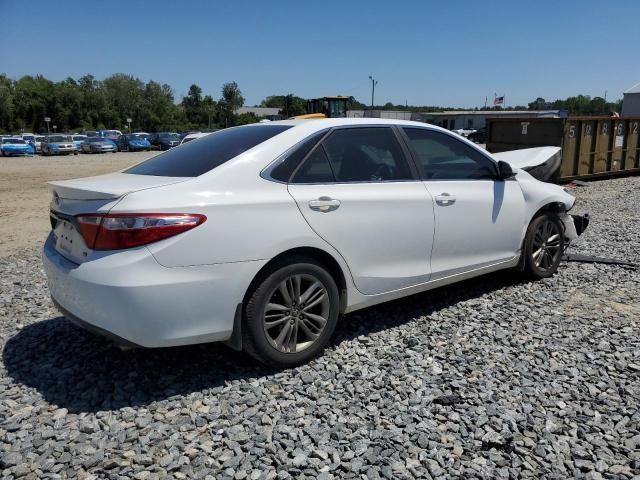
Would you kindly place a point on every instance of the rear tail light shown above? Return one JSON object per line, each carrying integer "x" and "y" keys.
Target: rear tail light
{"x": 125, "y": 230}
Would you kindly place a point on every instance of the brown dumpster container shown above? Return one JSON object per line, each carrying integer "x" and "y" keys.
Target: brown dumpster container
{"x": 593, "y": 146}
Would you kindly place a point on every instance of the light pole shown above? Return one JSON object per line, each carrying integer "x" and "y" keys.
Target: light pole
{"x": 129, "y": 124}
{"x": 374, "y": 82}
{"x": 47, "y": 119}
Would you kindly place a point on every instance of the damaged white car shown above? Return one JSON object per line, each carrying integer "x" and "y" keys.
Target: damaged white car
{"x": 264, "y": 235}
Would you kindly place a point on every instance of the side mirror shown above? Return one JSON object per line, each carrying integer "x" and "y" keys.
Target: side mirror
{"x": 505, "y": 171}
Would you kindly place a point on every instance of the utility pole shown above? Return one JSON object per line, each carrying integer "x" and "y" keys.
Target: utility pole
{"x": 374, "y": 82}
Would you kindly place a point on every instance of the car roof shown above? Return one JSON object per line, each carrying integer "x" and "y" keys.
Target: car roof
{"x": 309, "y": 126}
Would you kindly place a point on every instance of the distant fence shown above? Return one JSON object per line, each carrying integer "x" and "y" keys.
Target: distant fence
{"x": 591, "y": 146}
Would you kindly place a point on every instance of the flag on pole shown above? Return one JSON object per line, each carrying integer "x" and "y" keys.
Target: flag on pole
{"x": 498, "y": 100}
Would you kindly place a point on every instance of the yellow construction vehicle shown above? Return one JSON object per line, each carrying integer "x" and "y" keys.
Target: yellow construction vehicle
{"x": 326, "y": 107}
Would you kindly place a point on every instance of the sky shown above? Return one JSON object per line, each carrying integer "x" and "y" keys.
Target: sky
{"x": 422, "y": 52}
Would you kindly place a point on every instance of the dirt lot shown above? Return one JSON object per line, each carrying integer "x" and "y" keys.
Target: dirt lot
{"x": 24, "y": 198}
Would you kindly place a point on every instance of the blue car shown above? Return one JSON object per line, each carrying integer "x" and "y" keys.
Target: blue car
{"x": 133, "y": 143}
{"x": 15, "y": 146}
{"x": 77, "y": 142}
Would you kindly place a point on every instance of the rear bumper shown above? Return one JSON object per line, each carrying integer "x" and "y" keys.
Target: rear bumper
{"x": 130, "y": 296}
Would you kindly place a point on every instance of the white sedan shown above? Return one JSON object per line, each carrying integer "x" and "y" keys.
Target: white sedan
{"x": 264, "y": 235}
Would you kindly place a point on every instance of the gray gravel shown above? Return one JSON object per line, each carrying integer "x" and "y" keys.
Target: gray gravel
{"x": 492, "y": 378}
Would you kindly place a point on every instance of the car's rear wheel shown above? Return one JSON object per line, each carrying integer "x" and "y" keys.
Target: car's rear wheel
{"x": 291, "y": 314}
{"x": 544, "y": 245}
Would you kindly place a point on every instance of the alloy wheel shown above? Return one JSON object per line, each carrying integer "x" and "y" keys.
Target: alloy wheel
{"x": 546, "y": 245}
{"x": 296, "y": 313}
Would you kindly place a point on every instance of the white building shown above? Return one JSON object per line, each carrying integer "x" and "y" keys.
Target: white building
{"x": 631, "y": 101}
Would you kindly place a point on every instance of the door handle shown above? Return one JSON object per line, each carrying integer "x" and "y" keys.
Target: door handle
{"x": 445, "y": 199}
{"x": 324, "y": 204}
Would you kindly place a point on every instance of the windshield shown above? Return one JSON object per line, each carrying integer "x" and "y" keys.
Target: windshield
{"x": 28, "y": 138}
{"x": 39, "y": 139}
{"x": 195, "y": 158}
{"x": 170, "y": 136}
{"x": 13, "y": 140}
{"x": 112, "y": 132}
{"x": 96, "y": 139}
{"x": 79, "y": 137}
{"x": 57, "y": 138}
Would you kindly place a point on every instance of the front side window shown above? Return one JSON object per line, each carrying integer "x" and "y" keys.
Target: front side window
{"x": 443, "y": 157}
{"x": 368, "y": 154}
{"x": 195, "y": 158}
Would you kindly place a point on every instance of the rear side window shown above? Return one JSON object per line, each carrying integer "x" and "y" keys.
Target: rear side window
{"x": 287, "y": 166}
{"x": 443, "y": 157}
{"x": 366, "y": 155}
{"x": 315, "y": 169}
{"x": 195, "y": 158}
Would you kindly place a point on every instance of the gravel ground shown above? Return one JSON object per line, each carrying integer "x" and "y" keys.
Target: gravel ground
{"x": 491, "y": 378}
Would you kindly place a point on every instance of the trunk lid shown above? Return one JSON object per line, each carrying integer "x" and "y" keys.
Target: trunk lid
{"x": 109, "y": 186}
{"x": 88, "y": 195}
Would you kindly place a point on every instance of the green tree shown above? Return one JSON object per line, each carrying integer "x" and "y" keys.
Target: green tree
{"x": 290, "y": 105}
{"x": 229, "y": 103}
{"x": 246, "y": 118}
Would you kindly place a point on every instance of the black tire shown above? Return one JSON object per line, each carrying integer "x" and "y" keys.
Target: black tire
{"x": 542, "y": 249}
{"x": 260, "y": 344}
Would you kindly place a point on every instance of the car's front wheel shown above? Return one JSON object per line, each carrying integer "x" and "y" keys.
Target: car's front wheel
{"x": 291, "y": 313}
{"x": 544, "y": 246}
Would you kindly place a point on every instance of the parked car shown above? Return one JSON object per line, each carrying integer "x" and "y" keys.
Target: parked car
{"x": 77, "y": 142}
{"x": 144, "y": 135}
{"x": 193, "y": 136}
{"x": 91, "y": 133}
{"x": 133, "y": 143}
{"x": 58, "y": 145}
{"x": 279, "y": 228}
{"x": 111, "y": 134}
{"x": 479, "y": 136}
{"x": 164, "y": 140}
{"x": 28, "y": 137}
{"x": 181, "y": 135}
{"x": 15, "y": 146}
{"x": 37, "y": 143}
{"x": 98, "y": 145}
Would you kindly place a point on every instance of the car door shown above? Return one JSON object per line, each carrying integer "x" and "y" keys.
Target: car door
{"x": 478, "y": 218}
{"x": 359, "y": 192}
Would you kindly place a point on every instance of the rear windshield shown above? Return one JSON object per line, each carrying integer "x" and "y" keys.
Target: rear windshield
{"x": 195, "y": 158}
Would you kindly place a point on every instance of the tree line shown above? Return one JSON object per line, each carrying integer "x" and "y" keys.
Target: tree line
{"x": 90, "y": 104}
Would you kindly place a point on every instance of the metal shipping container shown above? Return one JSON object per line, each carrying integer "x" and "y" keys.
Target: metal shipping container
{"x": 591, "y": 146}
